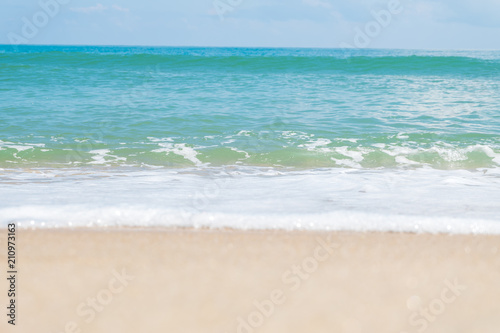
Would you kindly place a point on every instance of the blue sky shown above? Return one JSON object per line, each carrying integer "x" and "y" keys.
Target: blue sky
{"x": 426, "y": 24}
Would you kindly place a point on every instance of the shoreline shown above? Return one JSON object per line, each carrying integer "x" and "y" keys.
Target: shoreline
{"x": 129, "y": 280}
{"x": 418, "y": 230}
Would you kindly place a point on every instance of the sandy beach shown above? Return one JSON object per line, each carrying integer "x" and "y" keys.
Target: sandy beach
{"x": 145, "y": 280}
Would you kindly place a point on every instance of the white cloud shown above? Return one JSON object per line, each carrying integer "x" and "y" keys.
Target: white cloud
{"x": 120, "y": 9}
{"x": 317, "y": 3}
{"x": 92, "y": 9}
{"x": 99, "y": 8}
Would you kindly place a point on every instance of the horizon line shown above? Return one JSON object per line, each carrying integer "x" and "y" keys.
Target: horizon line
{"x": 252, "y": 47}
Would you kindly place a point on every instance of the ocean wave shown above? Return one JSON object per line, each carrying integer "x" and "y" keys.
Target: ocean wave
{"x": 339, "y": 61}
{"x": 300, "y": 151}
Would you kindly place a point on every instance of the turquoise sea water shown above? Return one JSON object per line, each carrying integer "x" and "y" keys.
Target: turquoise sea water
{"x": 102, "y": 128}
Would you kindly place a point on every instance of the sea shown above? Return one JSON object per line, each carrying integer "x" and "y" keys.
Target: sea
{"x": 250, "y": 138}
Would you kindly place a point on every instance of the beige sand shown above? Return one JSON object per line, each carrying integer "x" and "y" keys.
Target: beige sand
{"x": 236, "y": 281}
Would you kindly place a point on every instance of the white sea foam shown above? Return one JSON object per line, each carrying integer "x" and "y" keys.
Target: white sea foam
{"x": 423, "y": 200}
{"x": 244, "y": 133}
{"x": 100, "y": 155}
{"x": 404, "y": 160}
{"x": 141, "y": 216}
{"x": 317, "y": 145}
{"x": 240, "y": 151}
{"x": 19, "y": 147}
{"x": 402, "y": 154}
{"x": 180, "y": 149}
{"x": 152, "y": 139}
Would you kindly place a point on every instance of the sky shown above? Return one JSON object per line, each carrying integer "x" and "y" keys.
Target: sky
{"x": 405, "y": 24}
